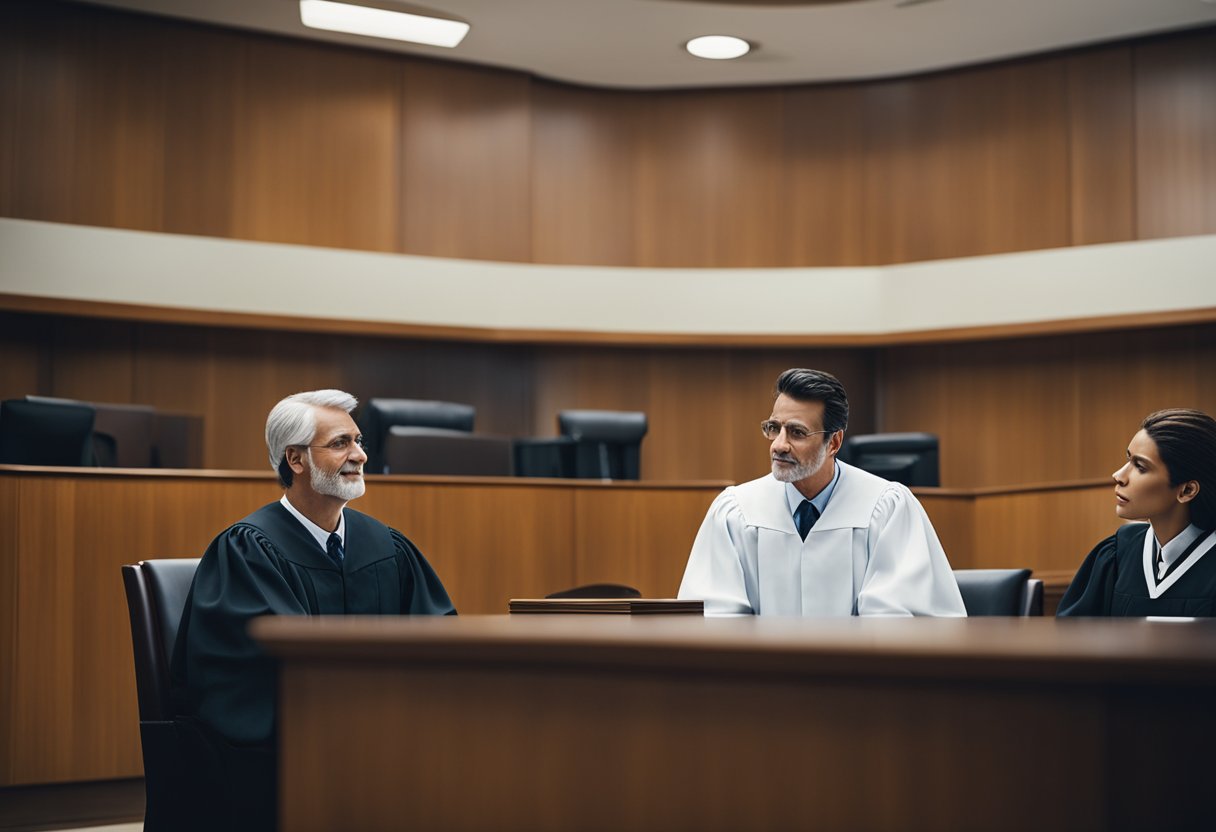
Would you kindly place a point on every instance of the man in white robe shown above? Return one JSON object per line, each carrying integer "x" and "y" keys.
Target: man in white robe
{"x": 869, "y": 547}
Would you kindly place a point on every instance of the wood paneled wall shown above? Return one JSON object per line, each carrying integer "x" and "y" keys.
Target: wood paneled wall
{"x": 1022, "y": 410}
{"x": 1043, "y": 409}
{"x": 67, "y": 694}
{"x": 704, "y": 405}
{"x": 120, "y": 120}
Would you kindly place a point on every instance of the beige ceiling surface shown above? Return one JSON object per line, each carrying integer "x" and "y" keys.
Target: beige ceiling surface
{"x": 638, "y": 43}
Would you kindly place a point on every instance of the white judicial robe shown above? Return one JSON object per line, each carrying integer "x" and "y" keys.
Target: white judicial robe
{"x": 872, "y": 552}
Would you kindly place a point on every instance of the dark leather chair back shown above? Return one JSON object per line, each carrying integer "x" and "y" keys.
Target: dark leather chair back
{"x": 378, "y": 415}
{"x": 156, "y": 596}
{"x": 122, "y": 433}
{"x": 608, "y": 443}
{"x": 909, "y": 458}
{"x": 46, "y": 433}
{"x": 1000, "y": 592}
{"x": 437, "y": 451}
{"x": 177, "y": 440}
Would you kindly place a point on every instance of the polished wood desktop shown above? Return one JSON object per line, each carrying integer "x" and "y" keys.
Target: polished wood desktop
{"x": 584, "y": 722}
{"x": 67, "y": 697}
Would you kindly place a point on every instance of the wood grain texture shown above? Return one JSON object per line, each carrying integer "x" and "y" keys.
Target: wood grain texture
{"x": 9, "y": 591}
{"x": 1037, "y": 410}
{"x": 708, "y": 179}
{"x": 583, "y": 183}
{"x": 119, "y": 123}
{"x": 638, "y": 537}
{"x": 1006, "y": 412}
{"x": 206, "y": 97}
{"x": 824, "y": 170}
{"x": 1049, "y": 529}
{"x": 130, "y": 121}
{"x": 967, "y": 163}
{"x": 1176, "y": 135}
{"x": 1101, "y": 120}
{"x": 43, "y": 62}
{"x": 953, "y": 518}
{"x": 487, "y": 543}
{"x": 553, "y": 749}
{"x": 554, "y": 716}
{"x": 318, "y": 154}
{"x": 467, "y": 175}
{"x": 68, "y": 695}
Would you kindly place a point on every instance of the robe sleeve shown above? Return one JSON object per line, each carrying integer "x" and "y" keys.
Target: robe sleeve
{"x": 714, "y": 573}
{"x": 224, "y": 678}
{"x": 1093, "y": 586}
{"x": 907, "y": 572}
{"x": 422, "y": 592}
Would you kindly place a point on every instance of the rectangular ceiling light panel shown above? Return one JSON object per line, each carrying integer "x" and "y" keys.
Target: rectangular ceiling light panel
{"x": 378, "y": 23}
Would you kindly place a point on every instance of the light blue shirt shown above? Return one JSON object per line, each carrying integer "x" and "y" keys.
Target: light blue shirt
{"x": 820, "y": 501}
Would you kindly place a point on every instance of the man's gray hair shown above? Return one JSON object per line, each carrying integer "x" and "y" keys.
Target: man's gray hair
{"x": 293, "y": 421}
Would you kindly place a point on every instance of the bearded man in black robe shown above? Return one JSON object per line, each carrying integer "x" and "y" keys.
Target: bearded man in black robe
{"x": 307, "y": 554}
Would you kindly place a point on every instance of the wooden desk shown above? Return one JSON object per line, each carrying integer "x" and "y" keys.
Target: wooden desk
{"x": 67, "y": 686}
{"x": 67, "y": 680}
{"x": 580, "y": 722}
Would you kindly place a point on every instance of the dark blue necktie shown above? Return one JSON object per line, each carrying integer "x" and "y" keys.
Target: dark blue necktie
{"x": 333, "y": 548}
{"x": 805, "y": 517}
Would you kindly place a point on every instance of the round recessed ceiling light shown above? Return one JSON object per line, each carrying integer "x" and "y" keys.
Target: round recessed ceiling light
{"x": 718, "y": 47}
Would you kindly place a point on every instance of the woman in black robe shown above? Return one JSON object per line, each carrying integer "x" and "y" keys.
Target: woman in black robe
{"x": 1164, "y": 567}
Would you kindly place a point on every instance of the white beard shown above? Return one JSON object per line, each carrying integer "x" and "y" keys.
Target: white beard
{"x": 333, "y": 485}
{"x": 783, "y": 473}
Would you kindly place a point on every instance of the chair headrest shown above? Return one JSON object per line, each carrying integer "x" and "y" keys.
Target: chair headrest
{"x": 885, "y": 443}
{"x": 420, "y": 413}
{"x": 603, "y": 425}
{"x": 992, "y": 591}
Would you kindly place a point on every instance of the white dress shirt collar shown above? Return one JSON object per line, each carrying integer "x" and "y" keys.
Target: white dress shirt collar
{"x": 316, "y": 531}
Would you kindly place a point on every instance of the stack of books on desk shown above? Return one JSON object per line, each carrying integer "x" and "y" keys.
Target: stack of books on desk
{"x": 617, "y": 606}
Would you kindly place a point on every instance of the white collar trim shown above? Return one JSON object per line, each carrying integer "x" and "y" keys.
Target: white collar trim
{"x": 1156, "y": 590}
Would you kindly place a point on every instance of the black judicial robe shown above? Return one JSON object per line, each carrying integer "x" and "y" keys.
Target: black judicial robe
{"x": 224, "y": 686}
{"x": 269, "y": 564}
{"x": 1111, "y": 582}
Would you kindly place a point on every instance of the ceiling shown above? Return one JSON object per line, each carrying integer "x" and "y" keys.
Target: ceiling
{"x": 635, "y": 44}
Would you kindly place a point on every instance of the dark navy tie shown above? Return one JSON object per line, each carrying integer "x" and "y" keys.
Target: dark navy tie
{"x": 333, "y": 547}
{"x": 805, "y": 517}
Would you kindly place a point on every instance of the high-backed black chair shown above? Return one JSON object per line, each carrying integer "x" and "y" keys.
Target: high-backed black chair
{"x": 1000, "y": 591}
{"x": 122, "y": 433}
{"x": 910, "y": 458}
{"x": 156, "y": 596}
{"x": 607, "y": 443}
{"x": 378, "y": 415}
{"x": 410, "y": 450}
{"x": 45, "y": 433}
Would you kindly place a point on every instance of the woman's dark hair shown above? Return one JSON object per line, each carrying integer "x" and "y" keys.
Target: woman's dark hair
{"x": 817, "y": 386}
{"x": 1186, "y": 442}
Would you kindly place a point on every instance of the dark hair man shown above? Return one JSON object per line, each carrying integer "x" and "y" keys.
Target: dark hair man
{"x": 817, "y": 537}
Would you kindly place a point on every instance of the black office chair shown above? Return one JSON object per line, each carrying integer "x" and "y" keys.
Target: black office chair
{"x": 122, "y": 433}
{"x": 378, "y": 415}
{"x": 607, "y": 443}
{"x": 156, "y": 596}
{"x": 909, "y": 458}
{"x": 410, "y": 450}
{"x": 1000, "y": 592}
{"x": 46, "y": 433}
